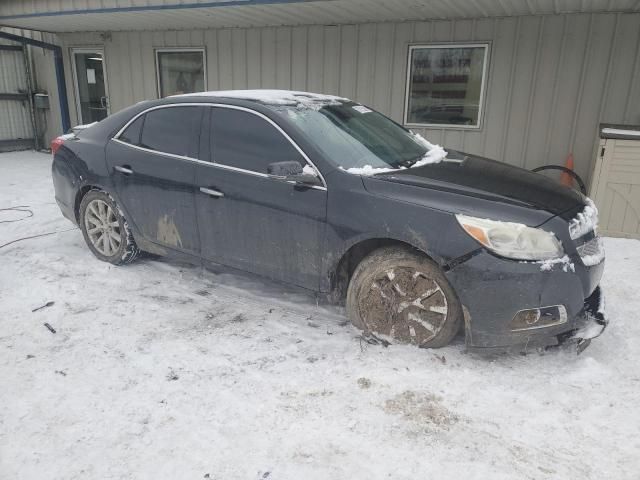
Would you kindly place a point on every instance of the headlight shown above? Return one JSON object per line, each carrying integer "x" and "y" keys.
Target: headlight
{"x": 512, "y": 240}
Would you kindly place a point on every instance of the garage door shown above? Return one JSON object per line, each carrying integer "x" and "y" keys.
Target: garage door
{"x": 16, "y": 121}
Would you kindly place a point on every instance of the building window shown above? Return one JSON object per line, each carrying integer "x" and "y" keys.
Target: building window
{"x": 446, "y": 85}
{"x": 180, "y": 71}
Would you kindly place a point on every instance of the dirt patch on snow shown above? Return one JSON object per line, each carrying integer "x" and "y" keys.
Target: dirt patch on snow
{"x": 422, "y": 408}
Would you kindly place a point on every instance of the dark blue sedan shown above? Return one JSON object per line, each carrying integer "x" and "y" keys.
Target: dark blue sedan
{"x": 326, "y": 194}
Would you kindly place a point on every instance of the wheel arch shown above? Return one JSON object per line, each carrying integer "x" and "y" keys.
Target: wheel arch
{"x": 341, "y": 271}
{"x": 80, "y": 194}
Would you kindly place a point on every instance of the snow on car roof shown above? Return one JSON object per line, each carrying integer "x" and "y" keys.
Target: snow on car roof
{"x": 271, "y": 97}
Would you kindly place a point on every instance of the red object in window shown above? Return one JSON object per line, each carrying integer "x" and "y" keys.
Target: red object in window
{"x": 56, "y": 143}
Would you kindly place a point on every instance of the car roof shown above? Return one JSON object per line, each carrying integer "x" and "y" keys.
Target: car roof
{"x": 267, "y": 96}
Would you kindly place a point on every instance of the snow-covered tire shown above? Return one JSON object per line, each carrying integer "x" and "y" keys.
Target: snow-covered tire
{"x": 106, "y": 230}
{"x": 402, "y": 296}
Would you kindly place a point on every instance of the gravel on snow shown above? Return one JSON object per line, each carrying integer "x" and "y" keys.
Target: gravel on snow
{"x": 165, "y": 371}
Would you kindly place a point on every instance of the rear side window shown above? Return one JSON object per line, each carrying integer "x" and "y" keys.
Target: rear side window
{"x": 132, "y": 133}
{"x": 172, "y": 130}
{"x": 243, "y": 140}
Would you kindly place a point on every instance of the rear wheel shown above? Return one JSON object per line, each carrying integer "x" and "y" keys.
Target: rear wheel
{"x": 403, "y": 297}
{"x": 105, "y": 229}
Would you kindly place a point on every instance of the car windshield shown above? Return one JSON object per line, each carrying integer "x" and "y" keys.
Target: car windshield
{"x": 353, "y": 136}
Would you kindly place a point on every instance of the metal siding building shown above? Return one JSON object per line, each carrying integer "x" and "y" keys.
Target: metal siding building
{"x": 556, "y": 69}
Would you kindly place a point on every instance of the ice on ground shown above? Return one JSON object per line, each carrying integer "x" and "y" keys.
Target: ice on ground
{"x": 166, "y": 371}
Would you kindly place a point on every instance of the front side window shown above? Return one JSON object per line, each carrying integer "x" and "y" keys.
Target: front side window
{"x": 446, "y": 85}
{"x": 180, "y": 71}
{"x": 172, "y": 130}
{"x": 243, "y": 140}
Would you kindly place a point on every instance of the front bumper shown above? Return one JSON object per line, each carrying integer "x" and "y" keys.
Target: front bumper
{"x": 492, "y": 290}
{"x": 591, "y": 322}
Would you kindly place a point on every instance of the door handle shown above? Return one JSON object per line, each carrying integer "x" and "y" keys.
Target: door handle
{"x": 211, "y": 192}
{"x": 126, "y": 169}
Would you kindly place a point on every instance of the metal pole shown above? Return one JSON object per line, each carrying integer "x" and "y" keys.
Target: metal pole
{"x": 32, "y": 110}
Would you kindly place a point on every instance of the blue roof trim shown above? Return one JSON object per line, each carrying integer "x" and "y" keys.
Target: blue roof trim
{"x": 147, "y": 8}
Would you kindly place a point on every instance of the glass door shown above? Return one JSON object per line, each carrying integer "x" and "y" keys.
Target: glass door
{"x": 92, "y": 98}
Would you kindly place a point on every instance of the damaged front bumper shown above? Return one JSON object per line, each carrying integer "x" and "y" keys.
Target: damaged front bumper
{"x": 590, "y": 323}
{"x": 494, "y": 290}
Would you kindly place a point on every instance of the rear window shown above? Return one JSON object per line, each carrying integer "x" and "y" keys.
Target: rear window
{"x": 132, "y": 133}
{"x": 172, "y": 130}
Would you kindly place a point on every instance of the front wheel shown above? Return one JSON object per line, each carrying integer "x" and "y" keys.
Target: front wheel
{"x": 105, "y": 229}
{"x": 403, "y": 296}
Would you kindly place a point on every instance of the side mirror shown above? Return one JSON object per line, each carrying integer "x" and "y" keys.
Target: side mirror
{"x": 292, "y": 171}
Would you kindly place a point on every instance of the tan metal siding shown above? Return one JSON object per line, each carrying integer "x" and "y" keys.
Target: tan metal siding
{"x": 551, "y": 79}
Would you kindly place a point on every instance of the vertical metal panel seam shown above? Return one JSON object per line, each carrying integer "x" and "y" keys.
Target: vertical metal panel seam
{"x": 474, "y": 25}
{"x": 388, "y": 107}
{"x": 291, "y": 57}
{"x": 554, "y": 95}
{"x": 532, "y": 93}
{"x": 338, "y": 73}
{"x": 632, "y": 85}
{"x": 605, "y": 88}
{"x": 218, "y": 59}
{"x": 487, "y": 100}
{"x": 357, "y": 63}
{"x": 583, "y": 72}
{"x": 514, "y": 53}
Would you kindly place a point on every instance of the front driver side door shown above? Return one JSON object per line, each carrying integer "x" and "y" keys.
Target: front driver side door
{"x": 248, "y": 219}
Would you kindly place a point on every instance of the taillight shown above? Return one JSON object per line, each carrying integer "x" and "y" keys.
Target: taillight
{"x": 56, "y": 143}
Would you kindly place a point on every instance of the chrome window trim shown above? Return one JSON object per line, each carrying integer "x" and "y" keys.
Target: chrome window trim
{"x": 116, "y": 138}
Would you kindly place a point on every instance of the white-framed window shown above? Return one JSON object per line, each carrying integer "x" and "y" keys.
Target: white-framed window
{"x": 446, "y": 85}
{"x": 181, "y": 70}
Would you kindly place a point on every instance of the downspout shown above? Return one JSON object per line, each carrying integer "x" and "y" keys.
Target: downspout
{"x": 60, "y": 78}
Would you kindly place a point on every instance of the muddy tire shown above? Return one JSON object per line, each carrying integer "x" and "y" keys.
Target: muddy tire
{"x": 106, "y": 230}
{"x": 403, "y": 297}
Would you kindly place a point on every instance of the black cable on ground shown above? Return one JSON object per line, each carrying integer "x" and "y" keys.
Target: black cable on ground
{"x": 36, "y": 236}
{"x": 18, "y": 208}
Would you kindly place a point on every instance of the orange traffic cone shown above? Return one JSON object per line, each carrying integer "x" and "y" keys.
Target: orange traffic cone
{"x": 565, "y": 178}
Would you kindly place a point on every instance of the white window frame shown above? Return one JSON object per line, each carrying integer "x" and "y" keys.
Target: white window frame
{"x": 158, "y": 51}
{"x": 483, "y": 85}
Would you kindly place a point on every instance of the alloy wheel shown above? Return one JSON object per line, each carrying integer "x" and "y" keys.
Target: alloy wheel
{"x": 405, "y": 305}
{"x": 103, "y": 227}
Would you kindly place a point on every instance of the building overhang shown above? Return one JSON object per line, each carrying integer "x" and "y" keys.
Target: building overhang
{"x": 131, "y": 15}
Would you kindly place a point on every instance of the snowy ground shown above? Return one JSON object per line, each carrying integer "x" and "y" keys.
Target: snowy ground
{"x": 165, "y": 371}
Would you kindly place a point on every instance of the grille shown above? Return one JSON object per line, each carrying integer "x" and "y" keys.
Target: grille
{"x": 591, "y": 252}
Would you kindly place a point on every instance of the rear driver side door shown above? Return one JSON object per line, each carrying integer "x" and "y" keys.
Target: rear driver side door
{"x": 248, "y": 219}
{"x": 152, "y": 163}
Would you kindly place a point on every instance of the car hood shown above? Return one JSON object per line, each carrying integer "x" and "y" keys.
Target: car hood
{"x": 487, "y": 179}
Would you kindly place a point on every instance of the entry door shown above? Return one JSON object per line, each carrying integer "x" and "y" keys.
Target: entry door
{"x": 92, "y": 97}
{"x": 248, "y": 219}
